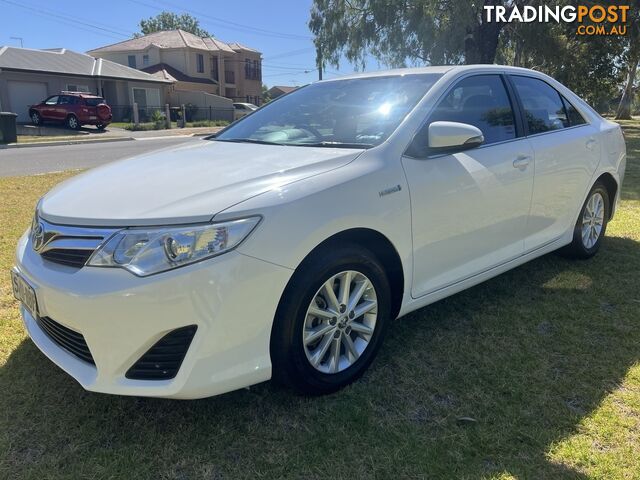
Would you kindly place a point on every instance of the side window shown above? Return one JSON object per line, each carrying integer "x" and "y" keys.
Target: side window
{"x": 574, "y": 115}
{"x": 52, "y": 100}
{"x": 481, "y": 101}
{"x": 131, "y": 59}
{"x": 200, "y": 59}
{"x": 64, "y": 100}
{"x": 543, "y": 107}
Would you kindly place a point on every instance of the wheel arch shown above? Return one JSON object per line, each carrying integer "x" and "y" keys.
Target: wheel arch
{"x": 381, "y": 247}
{"x": 611, "y": 185}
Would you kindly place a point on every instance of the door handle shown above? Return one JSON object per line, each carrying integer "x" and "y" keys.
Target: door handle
{"x": 521, "y": 162}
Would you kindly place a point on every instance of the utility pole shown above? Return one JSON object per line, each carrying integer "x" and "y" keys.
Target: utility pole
{"x": 18, "y": 38}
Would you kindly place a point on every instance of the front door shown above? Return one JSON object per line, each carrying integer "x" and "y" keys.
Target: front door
{"x": 469, "y": 209}
{"x": 49, "y": 110}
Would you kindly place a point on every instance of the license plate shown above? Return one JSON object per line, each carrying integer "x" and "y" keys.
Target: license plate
{"x": 24, "y": 293}
{"x": 92, "y": 117}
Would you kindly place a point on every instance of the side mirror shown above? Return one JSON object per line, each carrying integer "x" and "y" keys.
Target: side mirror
{"x": 453, "y": 137}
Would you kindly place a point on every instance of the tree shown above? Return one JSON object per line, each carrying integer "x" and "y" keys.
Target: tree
{"x": 411, "y": 31}
{"x": 631, "y": 60}
{"x": 445, "y": 32}
{"x": 172, "y": 21}
{"x": 265, "y": 94}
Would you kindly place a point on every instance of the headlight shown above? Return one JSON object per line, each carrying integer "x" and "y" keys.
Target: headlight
{"x": 148, "y": 251}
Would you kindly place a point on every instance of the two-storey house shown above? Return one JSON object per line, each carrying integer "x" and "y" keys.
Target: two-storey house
{"x": 207, "y": 64}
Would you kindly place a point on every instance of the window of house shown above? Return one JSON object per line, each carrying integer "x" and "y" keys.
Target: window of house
{"x": 145, "y": 60}
{"x": 146, "y": 97}
{"x": 214, "y": 67}
{"x": 132, "y": 61}
{"x": 543, "y": 107}
{"x": 200, "y": 59}
{"x": 71, "y": 87}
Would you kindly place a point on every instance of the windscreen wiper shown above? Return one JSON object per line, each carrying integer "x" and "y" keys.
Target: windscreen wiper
{"x": 247, "y": 140}
{"x": 335, "y": 144}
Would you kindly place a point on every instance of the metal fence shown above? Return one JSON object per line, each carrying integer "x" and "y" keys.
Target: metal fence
{"x": 124, "y": 113}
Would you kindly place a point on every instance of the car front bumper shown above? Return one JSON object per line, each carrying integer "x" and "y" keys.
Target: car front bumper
{"x": 232, "y": 300}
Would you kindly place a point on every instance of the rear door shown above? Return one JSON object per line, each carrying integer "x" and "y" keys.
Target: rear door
{"x": 469, "y": 209}
{"x": 566, "y": 156}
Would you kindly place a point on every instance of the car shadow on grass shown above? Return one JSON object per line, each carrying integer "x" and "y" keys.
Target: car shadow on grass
{"x": 481, "y": 384}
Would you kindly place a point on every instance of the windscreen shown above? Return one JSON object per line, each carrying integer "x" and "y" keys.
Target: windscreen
{"x": 353, "y": 113}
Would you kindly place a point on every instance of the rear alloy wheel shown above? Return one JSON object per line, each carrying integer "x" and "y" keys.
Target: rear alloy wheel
{"x": 72, "y": 122}
{"x": 101, "y": 126}
{"x": 331, "y": 320}
{"x": 35, "y": 118}
{"x": 591, "y": 225}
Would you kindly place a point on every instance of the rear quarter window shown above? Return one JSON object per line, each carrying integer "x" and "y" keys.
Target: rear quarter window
{"x": 93, "y": 102}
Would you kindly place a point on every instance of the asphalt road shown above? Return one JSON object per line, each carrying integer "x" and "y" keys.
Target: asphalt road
{"x": 35, "y": 160}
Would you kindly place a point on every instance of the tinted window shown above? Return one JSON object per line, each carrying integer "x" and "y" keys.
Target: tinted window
{"x": 92, "y": 102}
{"x": 64, "y": 100}
{"x": 543, "y": 108}
{"x": 481, "y": 101}
{"x": 350, "y": 113}
{"x": 574, "y": 116}
{"x": 52, "y": 100}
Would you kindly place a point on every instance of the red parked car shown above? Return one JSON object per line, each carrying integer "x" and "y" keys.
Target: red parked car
{"x": 74, "y": 109}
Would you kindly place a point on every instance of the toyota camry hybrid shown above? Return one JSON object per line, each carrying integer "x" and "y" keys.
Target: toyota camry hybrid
{"x": 286, "y": 246}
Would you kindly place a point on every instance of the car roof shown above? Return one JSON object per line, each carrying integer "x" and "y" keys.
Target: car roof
{"x": 78, "y": 94}
{"x": 442, "y": 69}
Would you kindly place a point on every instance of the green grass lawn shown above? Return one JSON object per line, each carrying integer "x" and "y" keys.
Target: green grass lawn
{"x": 534, "y": 374}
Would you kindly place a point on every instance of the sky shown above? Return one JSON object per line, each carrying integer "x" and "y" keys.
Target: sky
{"x": 276, "y": 28}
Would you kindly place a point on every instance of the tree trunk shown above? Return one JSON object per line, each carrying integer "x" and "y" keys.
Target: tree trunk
{"x": 626, "y": 102}
{"x": 481, "y": 41}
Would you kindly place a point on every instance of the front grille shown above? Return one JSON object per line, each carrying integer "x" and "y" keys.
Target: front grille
{"x": 163, "y": 360}
{"x": 73, "y": 342}
{"x": 71, "y": 257}
{"x": 66, "y": 245}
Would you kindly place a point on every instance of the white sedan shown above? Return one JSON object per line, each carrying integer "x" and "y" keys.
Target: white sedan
{"x": 286, "y": 246}
{"x": 242, "y": 109}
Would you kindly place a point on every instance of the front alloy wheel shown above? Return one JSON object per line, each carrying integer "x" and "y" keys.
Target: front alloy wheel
{"x": 331, "y": 320}
{"x": 340, "y": 322}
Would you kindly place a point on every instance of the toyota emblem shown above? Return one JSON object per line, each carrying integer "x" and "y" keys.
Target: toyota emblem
{"x": 37, "y": 236}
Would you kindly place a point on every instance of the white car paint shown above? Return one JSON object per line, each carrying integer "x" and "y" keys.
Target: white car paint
{"x": 454, "y": 220}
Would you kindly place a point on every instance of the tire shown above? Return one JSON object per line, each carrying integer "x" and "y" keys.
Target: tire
{"x": 292, "y": 357}
{"x": 101, "y": 126}
{"x": 594, "y": 217}
{"x": 72, "y": 122}
{"x": 36, "y": 119}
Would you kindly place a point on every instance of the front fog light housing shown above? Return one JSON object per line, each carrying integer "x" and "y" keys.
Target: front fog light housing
{"x": 148, "y": 251}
